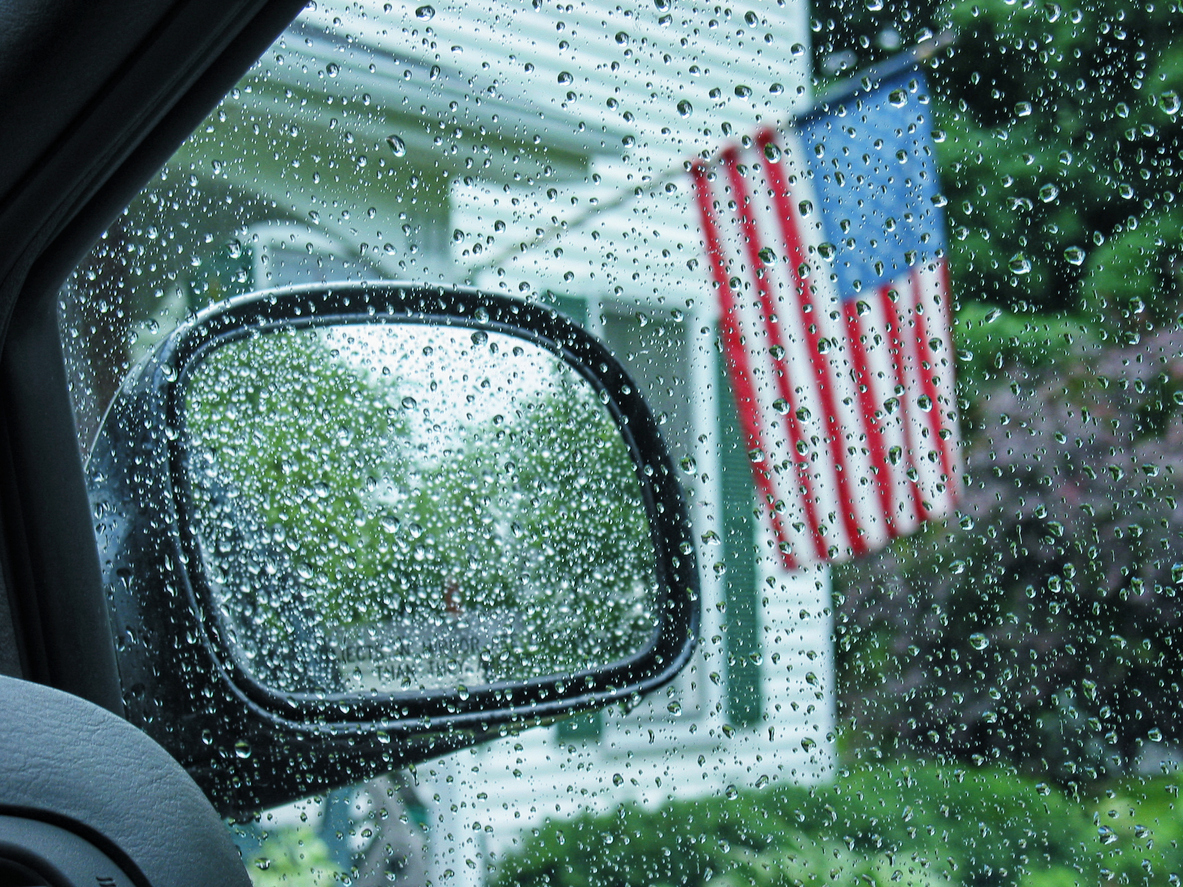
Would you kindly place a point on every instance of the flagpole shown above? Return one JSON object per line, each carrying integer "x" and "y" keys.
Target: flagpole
{"x": 863, "y": 81}
{"x": 870, "y": 77}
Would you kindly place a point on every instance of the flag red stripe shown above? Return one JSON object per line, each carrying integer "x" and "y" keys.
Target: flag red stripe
{"x": 752, "y": 243}
{"x": 946, "y": 296}
{"x": 898, "y": 358}
{"x": 809, "y": 325}
{"x": 737, "y": 358}
{"x": 927, "y": 380}
{"x": 869, "y": 409}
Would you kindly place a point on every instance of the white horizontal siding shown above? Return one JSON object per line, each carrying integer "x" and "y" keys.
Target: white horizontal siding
{"x": 477, "y": 94}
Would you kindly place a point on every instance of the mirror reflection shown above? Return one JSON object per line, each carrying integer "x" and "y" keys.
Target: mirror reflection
{"x": 384, "y": 509}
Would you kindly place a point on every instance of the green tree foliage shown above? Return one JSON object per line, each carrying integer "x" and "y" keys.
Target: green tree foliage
{"x": 300, "y": 443}
{"x": 891, "y": 823}
{"x": 1059, "y": 138}
{"x": 1041, "y": 626}
{"x": 578, "y": 507}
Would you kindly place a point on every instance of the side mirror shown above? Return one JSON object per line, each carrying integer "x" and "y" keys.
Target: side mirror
{"x": 348, "y": 527}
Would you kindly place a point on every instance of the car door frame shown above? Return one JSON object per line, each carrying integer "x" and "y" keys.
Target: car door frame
{"x": 96, "y": 97}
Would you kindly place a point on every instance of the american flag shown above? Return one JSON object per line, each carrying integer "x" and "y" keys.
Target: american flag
{"x": 826, "y": 245}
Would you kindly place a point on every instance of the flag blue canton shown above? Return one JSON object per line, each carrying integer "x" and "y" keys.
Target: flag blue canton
{"x": 870, "y": 162}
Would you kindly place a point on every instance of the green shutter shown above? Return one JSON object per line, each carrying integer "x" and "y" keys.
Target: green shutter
{"x": 573, "y": 306}
{"x": 589, "y": 725}
{"x": 740, "y": 592}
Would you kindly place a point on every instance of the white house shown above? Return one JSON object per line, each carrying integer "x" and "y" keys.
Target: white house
{"x": 540, "y": 150}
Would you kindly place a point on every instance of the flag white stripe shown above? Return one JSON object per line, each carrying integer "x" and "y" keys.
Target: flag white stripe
{"x": 736, "y": 352}
{"x": 844, "y": 419}
{"x": 794, "y": 483}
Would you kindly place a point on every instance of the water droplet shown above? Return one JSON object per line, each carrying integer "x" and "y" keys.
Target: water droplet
{"x": 756, "y": 454}
{"x": 1049, "y": 192}
{"x": 397, "y": 145}
{"x": 242, "y": 749}
{"x": 1154, "y": 734}
{"x": 1169, "y": 102}
{"x": 898, "y": 98}
{"x": 685, "y": 108}
{"x": 772, "y": 151}
{"x": 743, "y": 91}
{"x": 426, "y": 13}
{"x": 565, "y": 77}
{"x": 1019, "y": 264}
{"x": 333, "y": 69}
{"x": 1023, "y": 109}
{"x": 1074, "y": 255}
{"x": 1107, "y": 835}
{"x": 979, "y": 641}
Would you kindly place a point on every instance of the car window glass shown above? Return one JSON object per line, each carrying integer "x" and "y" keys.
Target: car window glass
{"x": 983, "y": 687}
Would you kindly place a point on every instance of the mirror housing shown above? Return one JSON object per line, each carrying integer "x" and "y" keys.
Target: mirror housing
{"x": 255, "y": 735}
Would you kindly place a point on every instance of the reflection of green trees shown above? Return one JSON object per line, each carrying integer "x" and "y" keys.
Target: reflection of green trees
{"x": 573, "y": 539}
{"x": 331, "y": 497}
{"x": 301, "y": 442}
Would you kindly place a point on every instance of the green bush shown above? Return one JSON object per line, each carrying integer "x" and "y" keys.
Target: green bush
{"x": 905, "y": 823}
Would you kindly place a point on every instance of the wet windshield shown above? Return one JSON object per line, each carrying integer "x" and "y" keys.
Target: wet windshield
{"x": 901, "y": 283}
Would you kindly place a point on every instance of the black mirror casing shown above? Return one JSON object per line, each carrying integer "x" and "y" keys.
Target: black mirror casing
{"x": 247, "y": 748}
